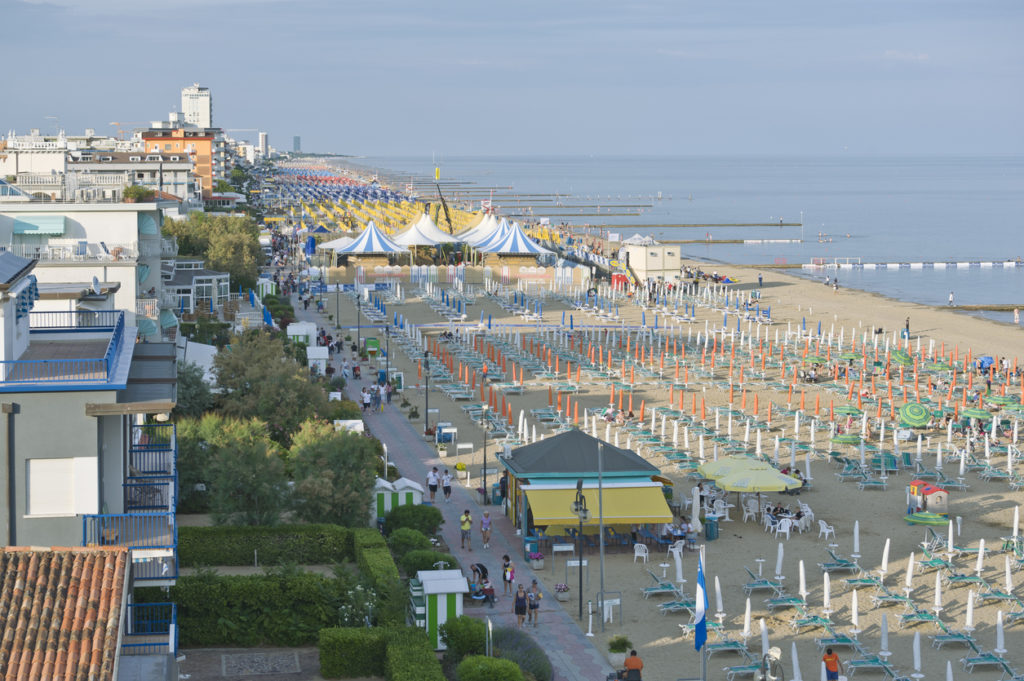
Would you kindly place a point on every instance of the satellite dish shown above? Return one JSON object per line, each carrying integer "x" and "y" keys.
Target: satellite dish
{"x": 96, "y": 286}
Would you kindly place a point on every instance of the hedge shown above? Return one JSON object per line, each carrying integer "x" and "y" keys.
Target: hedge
{"x": 414, "y": 561}
{"x": 235, "y": 545}
{"x": 463, "y": 636}
{"x": 424, "y": 518}
{"x": 522, "y": 649}
{"x": 365, "y": 538}
{"x": 411, "y": 657}
{"x": 481, "y": 668}
{"x": 352, "y": 652}
{"x": 405, "y": 539}
{"x": 377, "y": 566}
{"x": 277, "y": 610}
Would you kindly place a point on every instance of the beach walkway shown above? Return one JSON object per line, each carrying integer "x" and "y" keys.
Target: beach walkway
{"x": 572, "y": 655}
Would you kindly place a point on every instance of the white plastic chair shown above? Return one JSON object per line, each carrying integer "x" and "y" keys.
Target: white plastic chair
{"x": 784, "y": 527}
{"x": 722, "y": 510}
{"x": 825, "y": 529}
{"x": 640, "y": 551}
{"x": 806, "y": 510}
{"x": 750, "y": 510}
{"x": 677, "y": 545}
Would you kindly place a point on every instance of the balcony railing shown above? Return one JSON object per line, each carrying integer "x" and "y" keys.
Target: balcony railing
{"x": 157, "y": 493}
{"x": 150, "y": 629}
{"x": 147, "y": 307}
{"x": 153, "y": 450}
{"x": 82, "y": 251}
{"x": 87, "y": 369}
{"x": 134, "y": 530}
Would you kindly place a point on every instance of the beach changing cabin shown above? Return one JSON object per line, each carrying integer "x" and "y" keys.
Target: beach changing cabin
{"x": 401, "y": 492}
{"x": 435, "y": 597}
{"x": 927, "y": 497}
{"x": 302, "y": 332}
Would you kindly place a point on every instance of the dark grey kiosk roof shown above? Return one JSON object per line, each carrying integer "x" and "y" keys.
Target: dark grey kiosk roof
{"x": 574, "y": 452}
{"x": 12, "y": 268}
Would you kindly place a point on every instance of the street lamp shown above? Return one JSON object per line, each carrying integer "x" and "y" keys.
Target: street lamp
{"x": 579, "y": 507}
{"x": 359, "y": 309}
{"x": 426, "y": 392}
{"x": 387, "y": 353}
{"x": 483, "y": 422}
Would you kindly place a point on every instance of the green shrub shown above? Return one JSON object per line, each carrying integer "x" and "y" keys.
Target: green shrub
{"x": 287, "y": 608}
{"x": 414, "y": 561}
{"x": 352, "y": 652}
{"x": 392, "y": 602}
{"x": 464, "y": 636}
{"x": 410, "y": 657}
{"x": 365, "y": 538}
{"x": 480, "y": 668}
{"x": 241, "y": 545}
{"x": 619, "y": 644}
{"x": 405, "y": 539}
{"x": 377, "y": 565}
{"x": 519, "y": 647}
{"x": 424, "y": 518}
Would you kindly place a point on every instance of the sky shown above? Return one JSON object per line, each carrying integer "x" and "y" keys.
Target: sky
{"x": 407, "y": 77}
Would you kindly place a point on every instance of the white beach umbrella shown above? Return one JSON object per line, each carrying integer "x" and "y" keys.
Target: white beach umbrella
{"x": 803, "y": 581}
{"x": 963, "y": 463}
{"x": 885, "y": 558}
{"x": 1016, "y": 521}
{"x": 885, "y": 636}
{"x": 949, "y": 670}
{"x": 938, "y": 456}
{"x": 1007, "y": 575}
{"x": 980, "y": 564}
{"x": 677, "y": 556}
{"x": 826, "y": 603}
{"x": 855, "y": 613}
{"x": 856, "y": 538}
{"x": 937, "y": 603}
{"x": 824, "y": 675}
{"x": 765, "y": 646}
{"x": 949, "y": 538}
{"x": 917, "y": 652}
{"x": 1000, "y": 648}
{"x": 969, "y": 615}
{"x": 807, "y": 467}
{"x": 797, "y": 676}
{"x": 746, "y": 620}
{"x": 778, "y": 561}
{"x": 695, "y": 507}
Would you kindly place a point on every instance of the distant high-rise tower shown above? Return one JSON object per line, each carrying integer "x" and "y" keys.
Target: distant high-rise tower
{"x": 197, "y": 106}
{"x": 264, "y": 145}
{"x": 296, "y": 144}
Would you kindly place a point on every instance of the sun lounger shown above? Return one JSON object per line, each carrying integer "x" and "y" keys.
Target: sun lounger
{"x": 799, "y": 623}
{"x": 681, "y": 602}
{"x": 735, "y": 671}
{"x": 864, "y": 581}
{"x": 869, "y": 662}
{"x": 761, "y": 583}
{"x": 838, "y": 641}
{"x": 918, "y": 616}
{"x": 785, "y": 602}
{"x": 957, "y": 579}
{"x": 954, "y": 637}
{"x": 986, "y": 659}
{"x": 727, "y": 647}
{"x": 887, "y": 597}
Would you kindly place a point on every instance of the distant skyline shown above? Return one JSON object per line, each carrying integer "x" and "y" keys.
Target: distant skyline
{"x": 534, "y": 77}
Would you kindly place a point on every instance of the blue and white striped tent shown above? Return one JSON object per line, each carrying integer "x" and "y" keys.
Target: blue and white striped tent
{"x": 494, "y": 237}
{"x": 372, "y": 241}
{"x": 515, "y": 242}
{"x": 487, "y": 226}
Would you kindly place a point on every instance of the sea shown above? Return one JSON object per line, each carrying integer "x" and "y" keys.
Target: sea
{"x": 845, "y": 208}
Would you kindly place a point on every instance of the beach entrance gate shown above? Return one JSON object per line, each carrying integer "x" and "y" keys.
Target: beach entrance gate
{"x": 436, "y": 597}
{"x": 927, "y": 497}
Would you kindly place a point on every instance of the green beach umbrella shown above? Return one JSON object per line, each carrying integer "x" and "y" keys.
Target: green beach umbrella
{"x": 940, "y": 366}
{"x": 914, "y": 415}
{"x": 850, "y": 356}
{"x": 901, "y": 357}
{"x": 815, "y": 359}
{"x": 848, "y": 410}
{"x": 976, "y": 413}
{"x": 846, "y": 439}
{"x": 1002, "y": 400}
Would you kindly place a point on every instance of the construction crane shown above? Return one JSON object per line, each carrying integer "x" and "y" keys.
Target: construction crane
{"x": 120, "y": 126}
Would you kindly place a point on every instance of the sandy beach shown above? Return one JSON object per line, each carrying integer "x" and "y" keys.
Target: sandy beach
{"x": 986, "y": 507}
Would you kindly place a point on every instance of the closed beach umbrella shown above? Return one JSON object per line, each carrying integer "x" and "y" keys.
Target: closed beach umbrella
{"x": 854, "y": 612}
{"x": 826, "y": 601}
{"x": 764, "y": 635}
{"x": 746, "y": 620}
{"x": 908, "y": 584}
{"x": 797, "y": 676}
{"x": 885, "y": 634}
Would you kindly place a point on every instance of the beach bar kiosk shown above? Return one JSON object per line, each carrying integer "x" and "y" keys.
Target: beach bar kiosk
{"x": 435, "y": 597}
{"x": 925, "y": 496}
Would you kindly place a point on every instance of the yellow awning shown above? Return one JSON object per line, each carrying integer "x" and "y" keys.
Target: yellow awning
{"x": 621, "y": 505}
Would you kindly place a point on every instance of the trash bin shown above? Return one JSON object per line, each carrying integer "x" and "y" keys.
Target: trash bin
{"x": 531, "y": 546}
{"x": 496, "y": 494}
{"x": 710, "y": 529}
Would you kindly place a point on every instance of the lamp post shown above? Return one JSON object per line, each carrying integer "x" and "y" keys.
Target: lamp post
{"x": 483, "y": 422}
{"x": 579, "y": 507}
{"x": 426, "y": 392}
{"x": 359, "y": 309}
{"x": 387, "y": 353}
{"x": 337, "y": 307}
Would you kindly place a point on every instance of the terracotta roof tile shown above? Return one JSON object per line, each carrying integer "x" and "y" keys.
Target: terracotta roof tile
{"x": 61, "y": 612}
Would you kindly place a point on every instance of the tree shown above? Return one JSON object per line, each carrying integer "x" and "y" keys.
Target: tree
{"x": 247, "y": 480}
{"x": 257, "y": 379}
{"x": 334, "y": 473}
{"x": 236, "y": 253}
{"x": 194, "y": 396}
{"x": 135, "y": 192}
{"x": 220, "y": 186}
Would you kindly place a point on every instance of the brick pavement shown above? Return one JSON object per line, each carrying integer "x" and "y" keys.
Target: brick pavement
{"x": 572, "y": 655}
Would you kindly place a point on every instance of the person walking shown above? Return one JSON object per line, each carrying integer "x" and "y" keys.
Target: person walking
{"x": 951, "y": 299}
{"x": 388, "y": 389}
{"x": 519, "y": 603}
{"x": 833, "y": 666}
{"x": 508, "y": 573}
{"x": 432, "y": 480}
{"x": 533, "y": 596}
{"x": 485, "y": 529}
{"x": 366, "y": 400}
{"x": 446, "y": 486}
{"x": 466, "y": 527}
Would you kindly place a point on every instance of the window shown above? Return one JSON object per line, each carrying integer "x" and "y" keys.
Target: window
{"x": 62, "y": 487}
{"x": 167, "y": 147}
{"x": 134, "y": 159}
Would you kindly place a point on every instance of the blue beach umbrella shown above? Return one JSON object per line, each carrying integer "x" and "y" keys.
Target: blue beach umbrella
{"x": 488, "y": 321}
{"x": 570, "y": 323}
{"x": 819, "y": 327}
{"x": 563, "y": 317}
{"x": 643, "y": 319}
{"x": 803, "y": 324}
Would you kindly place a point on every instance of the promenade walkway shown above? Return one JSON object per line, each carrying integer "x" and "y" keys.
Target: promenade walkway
{"x": 572, "y": 654}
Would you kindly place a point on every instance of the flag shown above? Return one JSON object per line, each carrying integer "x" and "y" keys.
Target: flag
{"x": 700, "y": 631}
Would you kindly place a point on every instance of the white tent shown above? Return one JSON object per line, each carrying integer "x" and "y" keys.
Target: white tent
{"x": 372, "y": 241}
{"x": 638, "y": 240}
{"x": 515, "y": 242}
{"x": 486, "y": 228}
{"x": 335, "y": 244}
{"x": 423, "y": 232}
{"x": 494, "y": 237}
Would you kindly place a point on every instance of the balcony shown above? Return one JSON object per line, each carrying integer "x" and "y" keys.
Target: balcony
{"x": 67, "y": 347}
{"x": 74, "y": 251}
{"x": 150, "y": 629}
{"x": 152, "y": 482}
{"x": 151, "y": 537}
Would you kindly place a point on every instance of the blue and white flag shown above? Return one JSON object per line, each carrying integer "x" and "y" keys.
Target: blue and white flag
{"x": 700, "y": 631}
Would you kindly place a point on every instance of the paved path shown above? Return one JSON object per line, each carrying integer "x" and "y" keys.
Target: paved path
{"x": 572, "y": 654}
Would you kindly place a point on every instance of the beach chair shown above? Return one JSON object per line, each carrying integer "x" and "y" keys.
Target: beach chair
{"x": 785, "y": 602}
{"x": 761, "y": 583}
{"x": 660, "y": 587}
{"x": 917, "y": 617}
{"x": 813, "y": 621}
{"x": 834, "y": 640}
{"x": 864, "y": 581}
{"x": 868, "y": 662}
{"x": 750, "y": 669}
{"x": 931, "y": 562}
{"x": 839, "y": 564}
{"x": 681, "y": 602}
{"x": 727, "y": 646}
{"x": 959, "y": 579}
{"x": 871, "y": 483}
{"x": 886, "y": 597}
{"x": 956, "y": 638}
{"x": 986, "y": 659}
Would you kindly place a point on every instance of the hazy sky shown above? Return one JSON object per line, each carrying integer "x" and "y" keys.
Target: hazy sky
{"x": 534, "y": 76}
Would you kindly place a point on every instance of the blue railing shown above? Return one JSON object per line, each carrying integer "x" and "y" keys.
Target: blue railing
{"x": 134, "y": 530}
{"x": 88, "y": 369}
{"x": 150, "y": 629}
{"x": 153, "y": 450}
{"x": 163, "y": 569}
{"x": 154, "y": 493}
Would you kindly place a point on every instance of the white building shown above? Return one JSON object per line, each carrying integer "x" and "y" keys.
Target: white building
{"x": 197, "y": 106}
{"x": 264, "y": 145}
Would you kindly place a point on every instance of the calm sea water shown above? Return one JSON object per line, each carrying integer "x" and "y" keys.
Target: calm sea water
{"x": 876, "y": 209}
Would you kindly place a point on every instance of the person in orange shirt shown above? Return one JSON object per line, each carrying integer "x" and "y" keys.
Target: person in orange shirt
{"x": 633, "y": 667}
{"x": 832, "y": 665}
